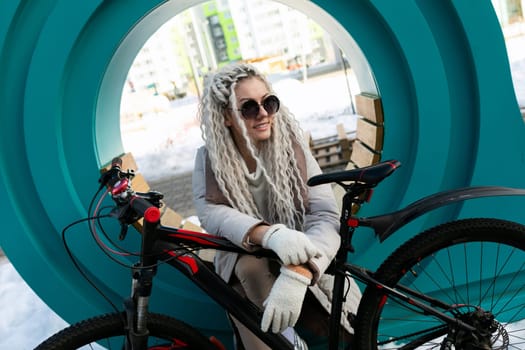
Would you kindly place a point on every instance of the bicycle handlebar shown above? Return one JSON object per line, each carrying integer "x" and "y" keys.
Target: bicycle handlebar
{"x": 145, "y": 209}
{"x": 142, "y": 205}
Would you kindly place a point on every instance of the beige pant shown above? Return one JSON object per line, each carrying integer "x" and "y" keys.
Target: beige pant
{"x": 254, "y": 279}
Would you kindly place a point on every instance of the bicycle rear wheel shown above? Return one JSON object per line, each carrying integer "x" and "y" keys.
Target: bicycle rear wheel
{"x": 108, "y": 332}
{"x": 475, "y": 266}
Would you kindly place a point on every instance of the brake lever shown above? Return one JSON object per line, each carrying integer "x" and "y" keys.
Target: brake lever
{"x": 123, "y": 231}
{"x": 154, "y": 197}
{"x": 110, "y": 175}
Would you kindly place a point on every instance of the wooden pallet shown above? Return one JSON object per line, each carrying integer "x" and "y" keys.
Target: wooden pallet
{"x": 333, "y": 151}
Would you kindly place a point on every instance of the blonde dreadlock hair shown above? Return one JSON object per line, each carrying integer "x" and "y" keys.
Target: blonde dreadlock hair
{"x": 276, "y": 158}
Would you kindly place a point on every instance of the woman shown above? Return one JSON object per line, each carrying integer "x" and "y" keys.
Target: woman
{"x": 249, "y": 185}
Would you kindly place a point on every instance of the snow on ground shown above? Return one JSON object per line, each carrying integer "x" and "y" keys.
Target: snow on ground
{"x": 26, "y": 320}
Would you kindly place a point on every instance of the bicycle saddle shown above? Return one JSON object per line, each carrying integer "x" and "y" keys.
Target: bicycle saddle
{"x": 371, "y": 175}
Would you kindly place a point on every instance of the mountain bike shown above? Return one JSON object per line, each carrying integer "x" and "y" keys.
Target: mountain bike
{"x": 459, "y": 285}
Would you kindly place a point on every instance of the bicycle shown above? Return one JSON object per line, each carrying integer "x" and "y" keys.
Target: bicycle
{"x": 428, "y": 294}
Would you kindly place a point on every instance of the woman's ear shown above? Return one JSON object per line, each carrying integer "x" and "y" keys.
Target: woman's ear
{"x": 228, "y": 119}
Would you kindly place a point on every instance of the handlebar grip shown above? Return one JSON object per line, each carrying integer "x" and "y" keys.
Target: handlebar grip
{"x": 116, "y": 163}
{"x": 144, "y": 208}
{"x": 112, "y": 175}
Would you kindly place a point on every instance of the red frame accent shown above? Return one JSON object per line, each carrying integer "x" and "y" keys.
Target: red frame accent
{"x": 383, "y": 300}
{"x": 353, "y": 222}
{"x": 197, "y": 237}
{"x": 152, "y": 214}
{"x": 188, "y": 260}
{"x": 369, "y": 196}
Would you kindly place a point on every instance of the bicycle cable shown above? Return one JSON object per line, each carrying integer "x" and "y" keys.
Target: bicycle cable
{"x": 105, "y": 249}
{"x": 94, "y": 234}
{"x": 107, "y": 237}
{"x": 77, "y": 265}
{"x": 123, "y": 252}
{"x": 127, "y": 266}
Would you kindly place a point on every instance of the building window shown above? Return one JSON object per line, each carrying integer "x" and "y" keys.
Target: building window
{"x": 515, "y": 11}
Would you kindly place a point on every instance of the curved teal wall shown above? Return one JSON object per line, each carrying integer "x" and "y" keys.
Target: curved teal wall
{"x": 440, "y": 67}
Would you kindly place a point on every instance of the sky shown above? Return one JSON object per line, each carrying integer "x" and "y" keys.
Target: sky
{"x": 26, "y": 320}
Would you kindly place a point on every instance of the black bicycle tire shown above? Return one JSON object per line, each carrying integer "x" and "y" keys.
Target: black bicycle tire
{"x": 98, "y": 328}
{"x": 419, "y": 247}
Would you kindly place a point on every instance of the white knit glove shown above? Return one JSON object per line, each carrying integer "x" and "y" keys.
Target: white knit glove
{"x": 293, "y": 247}
{"x": 283, "y": 305}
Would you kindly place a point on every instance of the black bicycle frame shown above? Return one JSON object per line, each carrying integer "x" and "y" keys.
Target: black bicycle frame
{"x": 174, "y": 246}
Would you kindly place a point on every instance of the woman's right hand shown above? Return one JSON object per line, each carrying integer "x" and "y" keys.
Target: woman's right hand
{"x": 284, "y": 303}
{"x": 293, "y": 247}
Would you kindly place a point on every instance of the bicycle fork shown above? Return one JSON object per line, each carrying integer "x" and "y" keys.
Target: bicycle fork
{"x": 136, "y": 308}
{"x": 142, "y": 283}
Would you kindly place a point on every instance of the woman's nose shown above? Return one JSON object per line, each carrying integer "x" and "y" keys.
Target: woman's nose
{"x": 262, "y": 112}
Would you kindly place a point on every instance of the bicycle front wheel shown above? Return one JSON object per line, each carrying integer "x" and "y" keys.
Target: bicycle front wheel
{"x": 109, "y": 332}
{"x": 470, "y": 270}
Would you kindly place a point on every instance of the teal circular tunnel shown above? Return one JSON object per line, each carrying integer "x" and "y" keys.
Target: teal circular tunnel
{"x": 440, "y": 67}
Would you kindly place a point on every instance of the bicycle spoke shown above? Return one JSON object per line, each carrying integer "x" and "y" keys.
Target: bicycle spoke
{"x": 499, "y": 271}
{"x": 478, "y": 278}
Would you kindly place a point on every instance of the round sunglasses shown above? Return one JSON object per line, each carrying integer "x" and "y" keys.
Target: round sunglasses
{"x": 250, "y": 109}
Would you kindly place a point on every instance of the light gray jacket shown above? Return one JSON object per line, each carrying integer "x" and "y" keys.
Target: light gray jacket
{"x": 321, "y": 226}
